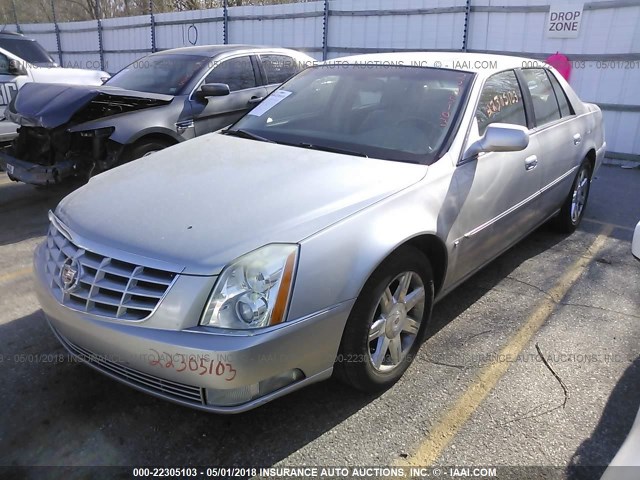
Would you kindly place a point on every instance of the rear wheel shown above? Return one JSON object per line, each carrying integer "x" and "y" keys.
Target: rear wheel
{"x": 574, "y": 206}
{"x": 385, "y": 327}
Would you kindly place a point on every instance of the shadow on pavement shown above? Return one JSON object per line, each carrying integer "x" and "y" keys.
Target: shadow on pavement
{"x": 594, "y": 454}
{"x": 23, "y": 210}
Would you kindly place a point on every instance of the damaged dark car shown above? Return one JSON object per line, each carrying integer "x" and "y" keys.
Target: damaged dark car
{"x": 76, "y": 131}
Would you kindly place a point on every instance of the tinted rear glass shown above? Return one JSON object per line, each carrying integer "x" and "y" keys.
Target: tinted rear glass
{"x": 26, "y": 49}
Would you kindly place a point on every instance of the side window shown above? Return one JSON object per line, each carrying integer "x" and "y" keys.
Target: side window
{"x": 279, "y": 68}
{"x": 565, "y": 107}
{"x": 545, "y": 105}
{"x": 500, "y": 102}
{"x": 4, "y": 65}
{"x": 235, "y": 72}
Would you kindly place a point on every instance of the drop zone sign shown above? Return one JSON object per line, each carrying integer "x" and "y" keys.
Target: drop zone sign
{"x": 564, "y": 20}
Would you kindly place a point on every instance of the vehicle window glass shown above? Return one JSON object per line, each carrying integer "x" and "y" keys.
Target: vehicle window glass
{"x": 317, "y": 97}
{"x": 235, "y": 72}
{"x": 545, "y": 105}
{"x": 501, "y": 102}
{"x": 168, "y": 74}
{"x": 565, "y": 108}
{"x": 28, "y": 50}
{"x": 279, "y": 68}
{"x": 4, "y": 65}
{"x": 389, "y": 112}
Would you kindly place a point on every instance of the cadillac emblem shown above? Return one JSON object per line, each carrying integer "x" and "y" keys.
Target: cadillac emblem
{"x": 70, "y": 274}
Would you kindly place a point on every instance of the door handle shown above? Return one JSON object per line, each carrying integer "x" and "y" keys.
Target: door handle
{"x": 577, "y": 139}
{"x": 530, "y": 162}
{"x": 254, "y": 100}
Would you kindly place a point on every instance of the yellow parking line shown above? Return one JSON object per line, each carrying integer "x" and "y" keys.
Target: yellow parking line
{"x": 615, "y": 225}
{"x": 455, "y": 418}
{"x": 15, "y": 274}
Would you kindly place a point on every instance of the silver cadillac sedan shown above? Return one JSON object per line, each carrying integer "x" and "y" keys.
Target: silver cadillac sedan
{"x": 313, "y": 236}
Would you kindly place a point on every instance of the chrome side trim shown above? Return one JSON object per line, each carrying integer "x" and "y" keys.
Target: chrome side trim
{"x": 518, "y": 205}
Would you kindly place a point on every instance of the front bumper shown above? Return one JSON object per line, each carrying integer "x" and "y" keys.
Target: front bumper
{"x": 192, "y": 365}
{"x": 33, "y": 173}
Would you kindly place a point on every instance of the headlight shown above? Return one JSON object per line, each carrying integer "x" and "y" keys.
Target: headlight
{"x": 254, "y": 290}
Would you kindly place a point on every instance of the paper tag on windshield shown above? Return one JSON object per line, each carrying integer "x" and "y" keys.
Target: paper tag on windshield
{"x": 270, "y": 102}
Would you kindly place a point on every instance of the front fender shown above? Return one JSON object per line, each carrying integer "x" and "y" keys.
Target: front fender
{"x": 131, "y": 126}
{"x": 336, "y": 262}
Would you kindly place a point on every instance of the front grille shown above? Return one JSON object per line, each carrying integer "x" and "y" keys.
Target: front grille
{"x": 144, "y": 381}
{"x": 104, "y": 286}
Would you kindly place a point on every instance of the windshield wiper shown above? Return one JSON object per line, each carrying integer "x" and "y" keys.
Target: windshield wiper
{"x": 246, "y": 134}
{"x": 323, "y": 148}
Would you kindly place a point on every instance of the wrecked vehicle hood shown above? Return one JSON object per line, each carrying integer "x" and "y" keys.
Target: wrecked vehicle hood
{"x": 52, "y": 105}
{"x": 76, "y": 76}
{"x": 202, "y": 203}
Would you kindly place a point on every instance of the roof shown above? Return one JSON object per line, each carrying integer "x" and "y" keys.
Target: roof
{"x": 213, "y": 50}
{"x": 481, "y": 63}
{"x": 5, "y": 33}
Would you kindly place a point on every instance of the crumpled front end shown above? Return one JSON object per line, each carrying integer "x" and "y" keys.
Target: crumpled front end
{"x": 40, "y": 156}
{"x": 52, "y": 144}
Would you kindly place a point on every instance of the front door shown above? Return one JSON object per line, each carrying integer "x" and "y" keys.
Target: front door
{"x": 498, "y": 191}
{"x": 214, "y": 113}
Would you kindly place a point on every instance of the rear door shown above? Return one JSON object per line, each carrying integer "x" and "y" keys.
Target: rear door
{"x": 498, "y": 190}
{"x": 214, "y": 113}
{"x": 558, "y": 133}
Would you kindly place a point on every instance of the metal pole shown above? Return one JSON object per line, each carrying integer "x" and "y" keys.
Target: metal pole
{"x": 15, "y": 16}
{"x": 153, "y": 27}
{"x": 57, "y": 29}
{"x": 325, "y": 30}
{"x": 100, "y": 41}
{"x": 225, "y": 22}
{"x": 467, "y": 14}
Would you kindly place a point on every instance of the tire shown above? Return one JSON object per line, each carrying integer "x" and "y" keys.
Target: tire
{"x": 371, "y": 363}
{"x": 573, "y": 208}
{"x": 142, "y": 148}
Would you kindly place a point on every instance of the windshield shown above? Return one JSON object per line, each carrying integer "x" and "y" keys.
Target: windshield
{"x": 28, "y": 50}
{"x": 166, "y": 74}
{"x": 389, "y": 112}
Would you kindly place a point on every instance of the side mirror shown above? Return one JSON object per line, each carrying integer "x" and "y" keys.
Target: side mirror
{"x": 212, "y": 90}
{"x": 500, "y": 137}
{"x": 17, "y": 68}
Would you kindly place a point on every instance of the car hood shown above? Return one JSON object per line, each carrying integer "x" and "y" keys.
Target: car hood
{"x": 53, "y": 105}
{"x": 77, "y": 76}
{"x": 202, "y": 203}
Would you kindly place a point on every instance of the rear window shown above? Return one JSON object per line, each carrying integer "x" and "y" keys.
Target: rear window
{"x": 26, "y": 49}
{"x": 563, "y": 102}
{"x": 545, "y": 105}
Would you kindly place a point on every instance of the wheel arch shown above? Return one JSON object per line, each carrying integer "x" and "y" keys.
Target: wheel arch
{"x": 435, "y": 250}
{"x": 157, "y": 136}
{"x": 591, "y": 156}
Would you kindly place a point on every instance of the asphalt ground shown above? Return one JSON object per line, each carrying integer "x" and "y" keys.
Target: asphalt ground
{"x": 478, "y": 395}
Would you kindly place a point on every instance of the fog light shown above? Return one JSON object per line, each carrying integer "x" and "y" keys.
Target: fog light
{"x": 238, "y": 396}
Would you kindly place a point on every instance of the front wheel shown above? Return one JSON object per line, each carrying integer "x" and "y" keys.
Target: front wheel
{"x": 574, "y": 206}
{"x": 143, "y": 148}
{"x": 385, "y": 327}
